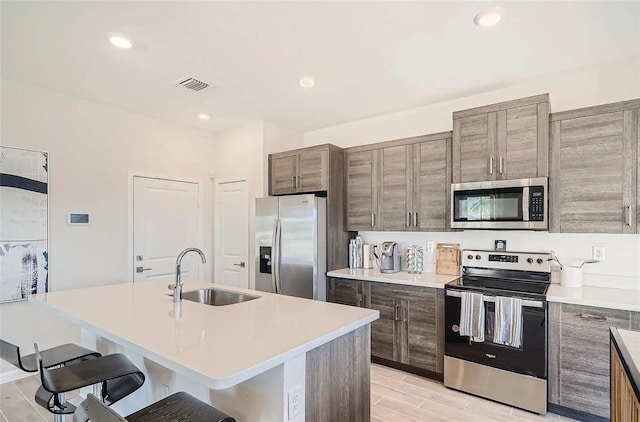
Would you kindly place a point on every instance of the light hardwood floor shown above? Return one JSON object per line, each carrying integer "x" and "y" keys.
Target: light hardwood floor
{"x": 395, "y": 396}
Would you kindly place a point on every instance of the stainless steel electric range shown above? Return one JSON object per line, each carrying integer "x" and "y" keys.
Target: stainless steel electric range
{"x": 513, "y": 375}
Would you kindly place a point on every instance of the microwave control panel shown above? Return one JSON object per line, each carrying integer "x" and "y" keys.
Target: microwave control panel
{"x": 536, "y": 203}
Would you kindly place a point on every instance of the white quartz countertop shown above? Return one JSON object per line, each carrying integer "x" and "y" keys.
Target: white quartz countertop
{"x": 219, "y": 346}
{"x": 628, "y": 300}
{"x": 631, "y": 340}
{"x": 425, "y": 279}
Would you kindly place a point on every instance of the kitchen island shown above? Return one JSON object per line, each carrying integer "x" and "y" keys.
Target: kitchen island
{"x": 247, "y": 359}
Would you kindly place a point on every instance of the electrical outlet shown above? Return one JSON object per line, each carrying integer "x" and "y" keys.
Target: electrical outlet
{"x": 597, "y": 253}
{"x": 164, "y": 390}
{"x": 430, "y": 246}
{"x": 295, "y": 402}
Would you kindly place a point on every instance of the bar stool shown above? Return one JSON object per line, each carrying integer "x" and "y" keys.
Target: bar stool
{"x": 65, "y": 354}
{"x": 59, "y": 355}
{"x": 115, "y": 373}
{"x": 177, "y": 407}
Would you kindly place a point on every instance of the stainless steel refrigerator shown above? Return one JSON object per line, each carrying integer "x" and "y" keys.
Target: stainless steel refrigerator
{"x": 291, "y": 246}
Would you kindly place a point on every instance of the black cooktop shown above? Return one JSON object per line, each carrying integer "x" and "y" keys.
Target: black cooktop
{"x": 498, "y": 284}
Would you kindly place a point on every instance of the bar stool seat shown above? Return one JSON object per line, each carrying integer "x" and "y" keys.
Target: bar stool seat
{"x": 116, "y": 374}
{"x": 177, "y": 407}
{"x": 59, "y": 355}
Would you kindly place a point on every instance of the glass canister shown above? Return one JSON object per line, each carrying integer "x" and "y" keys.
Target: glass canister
{"x": 415, "y": 259}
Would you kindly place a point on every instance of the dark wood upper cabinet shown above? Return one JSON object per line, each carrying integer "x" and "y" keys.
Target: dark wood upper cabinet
{"x": 508, "y": 140}
{"x": 299, "y": 171}
{"x": 362, "y": 191}
{"x": 594, "y": 169}
{"x": 401, "y": 185}
{"x": 282, "y": 174}
{"x": 395, "y": 188}
{"x": 432, "y": 185}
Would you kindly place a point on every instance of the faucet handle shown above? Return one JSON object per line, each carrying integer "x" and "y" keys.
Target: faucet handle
{"x": 171, "y": 286}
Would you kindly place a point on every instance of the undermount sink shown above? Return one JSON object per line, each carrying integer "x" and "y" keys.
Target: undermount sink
{"x": 216, "y": 297}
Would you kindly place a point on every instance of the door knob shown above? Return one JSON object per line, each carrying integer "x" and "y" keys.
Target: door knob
{"x": 241, "y": 265}
{"x": 140, "y": 269}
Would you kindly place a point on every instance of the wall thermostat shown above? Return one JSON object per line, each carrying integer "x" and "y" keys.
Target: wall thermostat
{"x": 78, "y": 218}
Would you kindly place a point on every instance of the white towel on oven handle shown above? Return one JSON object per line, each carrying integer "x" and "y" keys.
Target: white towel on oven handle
{"x": 508, "y": 321}
{"x": 472, "y": 316}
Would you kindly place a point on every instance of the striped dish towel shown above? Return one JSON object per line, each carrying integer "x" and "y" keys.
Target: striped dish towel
{"x": 508, "y": 321}
{"x": 472, "y": 316}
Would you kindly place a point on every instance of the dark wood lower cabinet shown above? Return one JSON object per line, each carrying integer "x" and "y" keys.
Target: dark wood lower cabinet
{"x": 345, "y": 292}
{"x": 579, "y": 358}
{"x": 410, "y": 331}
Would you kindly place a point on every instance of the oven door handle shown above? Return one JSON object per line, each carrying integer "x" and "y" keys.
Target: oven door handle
{"x": 525, "y": 302}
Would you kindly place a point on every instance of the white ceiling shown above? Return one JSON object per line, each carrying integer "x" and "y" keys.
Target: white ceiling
{"x": 368, "y": 58}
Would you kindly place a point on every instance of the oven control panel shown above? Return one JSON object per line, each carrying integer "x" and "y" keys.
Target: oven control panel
{"x": 503, "y": 258}
{"x": 522, "y": 261}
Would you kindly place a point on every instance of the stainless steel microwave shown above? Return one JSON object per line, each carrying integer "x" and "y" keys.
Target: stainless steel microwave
{"x": 519, "y": 204}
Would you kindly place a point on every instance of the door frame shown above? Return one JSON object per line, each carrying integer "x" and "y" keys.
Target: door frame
{"x": 131, "y": 175}
{"x": 216, "y": 233}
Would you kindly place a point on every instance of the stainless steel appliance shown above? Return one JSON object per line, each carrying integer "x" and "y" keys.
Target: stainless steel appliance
{"x": 519, "y": 204}
{"x": 513, "y": 375}
{"x": 290, "y": 246}
{"x": 389, "y": 257}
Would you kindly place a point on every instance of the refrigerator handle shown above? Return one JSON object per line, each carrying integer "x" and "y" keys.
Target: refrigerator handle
{"x": 275, "y": 259}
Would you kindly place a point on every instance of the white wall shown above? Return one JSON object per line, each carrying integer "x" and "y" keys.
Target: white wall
{"x": 621, "y": 268}
{"x": 238, "y": 156}
{"x": 91, "y": 148}
{"x": 581, "y": 88}
{"x": 242, "y": 154}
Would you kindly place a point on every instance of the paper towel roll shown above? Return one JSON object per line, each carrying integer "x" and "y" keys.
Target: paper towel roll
{"x": 366, "y": 256}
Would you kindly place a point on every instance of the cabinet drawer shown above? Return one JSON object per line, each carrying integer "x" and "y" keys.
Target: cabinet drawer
{"x": 635, "y": 321}
{"x": 601, "y": 318}
{"x": 403, "y": 291}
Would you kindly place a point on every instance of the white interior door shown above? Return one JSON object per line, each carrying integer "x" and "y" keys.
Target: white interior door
{"x": 165, "y": 222}
{"x": 232, "y": 234}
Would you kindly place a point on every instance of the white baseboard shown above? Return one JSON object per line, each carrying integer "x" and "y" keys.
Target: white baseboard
{"x": 13, "y": 375}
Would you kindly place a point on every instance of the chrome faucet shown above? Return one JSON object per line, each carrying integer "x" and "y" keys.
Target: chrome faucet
{"x": 177, "y": 289}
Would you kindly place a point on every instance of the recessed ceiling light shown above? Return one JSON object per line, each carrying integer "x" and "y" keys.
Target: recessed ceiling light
{"x": 489, "y": 17}
{"x": 307, "y": 82}
{"x": 120, "y": 42}
{"x": 203, "y": 116}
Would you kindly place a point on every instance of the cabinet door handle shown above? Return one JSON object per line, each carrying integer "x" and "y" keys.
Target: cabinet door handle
{"x": 403, "y": 313}
{"x": 293, "y": 182}
{"x": 491, "y": 165}
{"x": 593, "y": 317}
{"x": 500, "y": 165}
{"x": 627, "y": 215}
{"x": 408, "y": 219}
{"x": 415, "y": 219}
{"x": 395, "y": 312}
{"x": 373, "y": 219}
{"x": 298, "y": 182}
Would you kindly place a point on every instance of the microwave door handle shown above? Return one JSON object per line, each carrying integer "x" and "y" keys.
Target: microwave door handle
{"x": 525, "y": 203}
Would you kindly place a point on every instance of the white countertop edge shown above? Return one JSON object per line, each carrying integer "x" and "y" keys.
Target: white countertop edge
{"x": 394, "y": 278}
{"x": 576, "y": 296}
{"x": 217, "y": 383}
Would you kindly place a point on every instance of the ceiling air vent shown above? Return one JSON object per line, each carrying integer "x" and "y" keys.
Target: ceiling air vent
{"x": 192, "y": 84}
